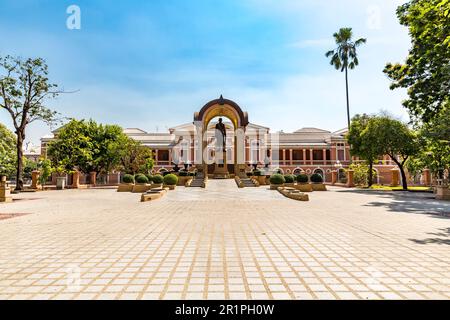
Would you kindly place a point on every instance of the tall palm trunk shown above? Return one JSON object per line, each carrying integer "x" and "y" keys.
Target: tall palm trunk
{"x": 348, "y": 100}
{"x": 348, "y": 107}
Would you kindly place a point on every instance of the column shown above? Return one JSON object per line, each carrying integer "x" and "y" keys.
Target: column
{"x": 395, "y": 178}
{"x": 284, "y": 156}
{"x": 304, "y": 156}
{"x": 426, "y": 177}
{"x": 324, "y": 157}
{"x": 311, "y": 156}
{"x": 76, "y": 179}
{"x": 156, "y": 157}
{"x": 333, "y": 177}
{"x": 93, "y": 178}
{"x": 290, "y": 157}
{"x": 350, "y": 182}
{"x": 35, "y": 179}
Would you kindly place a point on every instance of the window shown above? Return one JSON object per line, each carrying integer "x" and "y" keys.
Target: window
{"x": 297, "y": 155}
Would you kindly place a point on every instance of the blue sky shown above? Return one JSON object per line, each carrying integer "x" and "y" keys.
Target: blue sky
{"x": 152, "y": 64}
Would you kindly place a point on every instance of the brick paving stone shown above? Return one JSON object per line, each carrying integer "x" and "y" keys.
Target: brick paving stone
{"x": 225, "y": 243}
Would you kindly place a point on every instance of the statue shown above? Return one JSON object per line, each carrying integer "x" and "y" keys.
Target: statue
{"x": 221, "y": 136}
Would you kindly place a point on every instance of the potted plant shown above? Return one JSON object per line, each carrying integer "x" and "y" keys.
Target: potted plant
{"x": 142, "y": 183}
{"x": 61, "y": 179}
{"x": 302, "y": 183}
{"x": 127, "y": 183}
{"x": 157, "y": 181}
{"x": 183, "y": 177}
{"x": 170, "y": 181}
{"x": 317, "y": 182}
{"x": 276, "y": 180}
{"x": 289, "y": 180}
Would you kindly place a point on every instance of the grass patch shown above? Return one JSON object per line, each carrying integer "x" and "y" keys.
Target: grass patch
{"x": 388, "y": 188}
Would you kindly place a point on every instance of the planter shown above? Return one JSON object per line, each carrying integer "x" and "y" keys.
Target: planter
{"x": 140, "y": 188}
{"x": 442, "y": 192}
{"x": 183, "y": 180}
{"x": 319, "y": 187}
{"x": 60, "y": 183}
{"x": 304, "y": 187}
{"x": 275, "y": 186}
{"x": 156, "y": 186}
{"x": 289, "y": 185}
{"x": 125, "y": 187}
{"x": 171, "y": 187}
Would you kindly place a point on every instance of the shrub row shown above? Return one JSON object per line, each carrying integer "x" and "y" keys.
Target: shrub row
{"x": 301, "y": 178}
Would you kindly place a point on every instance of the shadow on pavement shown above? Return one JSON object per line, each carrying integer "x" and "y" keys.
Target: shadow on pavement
{"x": 407, "y": 202}
{"x": 442, "y": 237}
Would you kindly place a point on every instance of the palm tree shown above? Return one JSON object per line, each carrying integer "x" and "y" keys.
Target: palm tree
{"x": 345, "y": 56}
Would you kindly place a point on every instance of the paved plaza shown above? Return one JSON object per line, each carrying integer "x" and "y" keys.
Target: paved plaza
{"x": 224, "y": 243}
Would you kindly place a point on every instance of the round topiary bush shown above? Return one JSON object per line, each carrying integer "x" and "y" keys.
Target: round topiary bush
{"x": 183, "y": 174}
{"x": 192, "y": 174}
{"x": 302, "y": 178}
{"x": 316, "y": 178}
{"x": 141, "y": 178}
{"x": 277, "y": 179}
{"x": 157, "y": 179}
{"x": 257, "y": 173}
{"x": 128, "y": 178}
{"x": 149, "y": 177}
{"x": 170, "y": 180}
{"x": 289, "y": 178}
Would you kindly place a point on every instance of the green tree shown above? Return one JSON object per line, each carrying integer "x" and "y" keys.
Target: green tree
{"x": 345, "y": 57}
{"x": 136, "y": 158}
{"x": 362, "y": 145}
{"x": 46, "y": 170}
{"x": 87, "y": 146}
{"x": 435, "y": 146}
{"x": 393, "y": 138}
{"x": 24, "y": 88}
{"x": 7, "y": 151}
{"x": 362, "y": 174}
{"x": 426, "y": 72}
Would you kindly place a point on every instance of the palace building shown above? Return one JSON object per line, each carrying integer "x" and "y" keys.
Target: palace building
{"x": 248, "y": 145}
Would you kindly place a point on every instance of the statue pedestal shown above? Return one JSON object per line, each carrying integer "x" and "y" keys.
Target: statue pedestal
{"x": 221, "y": 168}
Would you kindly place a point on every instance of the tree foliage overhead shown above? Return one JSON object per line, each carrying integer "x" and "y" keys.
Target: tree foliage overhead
{"x": 426, "y": 72}
{"x": 7, "y": 151}
{"x": 24, "y": 90}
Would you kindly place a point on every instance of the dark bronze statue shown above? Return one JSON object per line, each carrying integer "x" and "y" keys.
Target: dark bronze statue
{"x": 221, "y": 135}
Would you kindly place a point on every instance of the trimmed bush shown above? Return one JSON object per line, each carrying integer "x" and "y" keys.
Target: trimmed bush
{"x": 302, "y": 178}
{"x": 158, "y": 179}
{"x": 316, "y": 178}
{"x": 192, "y": 174}
{"x": 257, "y": 173}
{"x": 277, "y": 179}
{"x": 141, "y": 178}
{"x": 183, "y": 174}
{"x": 149, "y": 177}
{"x": 128, "y": 178}
{"x": 170, "y": 180}
{"x": 289, "y": 178}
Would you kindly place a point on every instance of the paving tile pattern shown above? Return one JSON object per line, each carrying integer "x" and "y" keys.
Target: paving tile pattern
{"x": 225, "y": 243}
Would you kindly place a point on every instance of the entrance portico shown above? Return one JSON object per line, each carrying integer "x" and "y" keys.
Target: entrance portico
{"x": 221, "y": 108}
